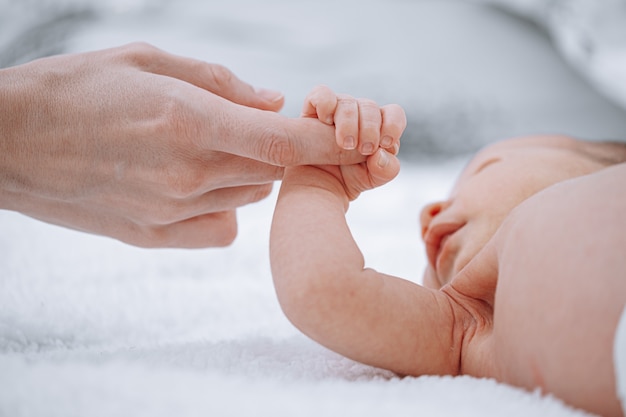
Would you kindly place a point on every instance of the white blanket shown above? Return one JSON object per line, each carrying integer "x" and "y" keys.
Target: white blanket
{"x": 92, "y": 327}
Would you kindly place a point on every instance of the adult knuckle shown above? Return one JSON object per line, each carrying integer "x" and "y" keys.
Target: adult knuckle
{"x": 164, "y": 112}
{"x": 175, "y": 122}
{"x": 141, "y": 47}
{"x": 277, "y": 173}
{"x": 170, "y": 211}
{"x": 142, "y": 54}
{"x": 219, "y": 75}
{"x": 186, "y": 181}
{"x": 261, "y": 192}
{"x": 277, "y": 147}
{"x": 182, "y": 171}
{"x": 152, "y": 236}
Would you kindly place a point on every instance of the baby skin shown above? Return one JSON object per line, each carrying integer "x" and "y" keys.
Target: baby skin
{"x": 525, "y": 281}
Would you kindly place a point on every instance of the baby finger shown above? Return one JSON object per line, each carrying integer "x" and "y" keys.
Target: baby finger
{"x": 347, "y": 122}
{"x": 393, "y": 125}
{"x": 320, "y": 103}
{"x": 370, "y": 120}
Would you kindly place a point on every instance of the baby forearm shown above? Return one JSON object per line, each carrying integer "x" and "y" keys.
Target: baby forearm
{"x": 313, "y": 255}
{"x": 309, "y": 236}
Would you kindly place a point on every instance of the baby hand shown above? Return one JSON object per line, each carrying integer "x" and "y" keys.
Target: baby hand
{"x": 359, "y": 123}
{"x": 362, "y": 124}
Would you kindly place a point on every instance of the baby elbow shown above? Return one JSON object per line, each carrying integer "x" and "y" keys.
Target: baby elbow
{"x": 306, "y": 303}
{"x": 294, "y": 301}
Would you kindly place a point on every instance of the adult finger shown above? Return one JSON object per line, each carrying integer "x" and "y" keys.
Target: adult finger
{"x": 208, "y": 230}
{"x": 211, "y": 77}
{"x": 223, "y": 199}
{"x": 275, "y": 139}
{"x": 223, "y": 170}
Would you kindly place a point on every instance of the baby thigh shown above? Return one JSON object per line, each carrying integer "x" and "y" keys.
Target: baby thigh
{"x": 561, "y": 290}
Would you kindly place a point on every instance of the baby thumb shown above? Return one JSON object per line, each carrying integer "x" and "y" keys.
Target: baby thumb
{"x": 383, "y": 166}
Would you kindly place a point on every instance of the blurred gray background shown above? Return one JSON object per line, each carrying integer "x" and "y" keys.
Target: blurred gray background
{"x": 466, "y": 72}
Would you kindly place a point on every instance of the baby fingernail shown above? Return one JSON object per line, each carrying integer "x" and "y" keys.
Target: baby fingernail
{"x": 386, "y": 141}
{"x": 367, "y": 149}
{"x": 349, "y": 142}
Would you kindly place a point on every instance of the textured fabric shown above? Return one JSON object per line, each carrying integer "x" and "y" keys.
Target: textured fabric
{"x": 590, "y": 34}
{"x": 91, "y": 327}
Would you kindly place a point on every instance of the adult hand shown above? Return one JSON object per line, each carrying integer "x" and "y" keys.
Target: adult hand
{"x": 152, "y": 149}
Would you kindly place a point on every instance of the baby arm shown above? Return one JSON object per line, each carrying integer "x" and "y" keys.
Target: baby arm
{"x": 319, "y": 274}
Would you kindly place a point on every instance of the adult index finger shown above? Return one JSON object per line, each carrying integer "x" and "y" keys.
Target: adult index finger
{"x": 215, "y": 78}
{"x": 278, "y": 140}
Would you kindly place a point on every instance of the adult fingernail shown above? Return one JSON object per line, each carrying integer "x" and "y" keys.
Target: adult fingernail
{"x": 349, "y": 142}
{"x": 386, "y": 141}
{"x": 383, "y": 159}
{"x": 269, "y": 95}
